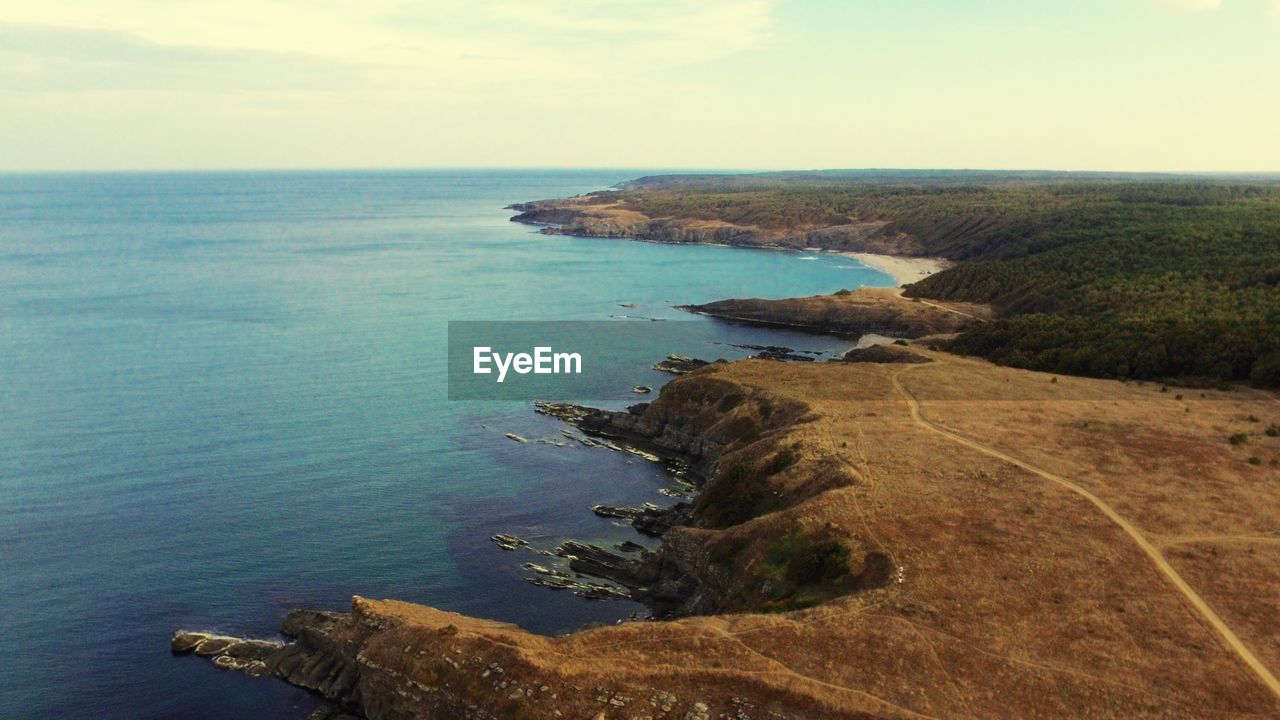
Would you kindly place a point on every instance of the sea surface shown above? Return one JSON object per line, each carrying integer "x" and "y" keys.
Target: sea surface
{"x": 223, "y": 396}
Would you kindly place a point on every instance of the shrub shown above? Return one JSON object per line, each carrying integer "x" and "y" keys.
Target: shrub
{"x": 1238, "y": 438}
{"x": 801, "y": 570}
{"x": 1266, "y": 370}
{"x": 1255, "y": 460}
{"x": 784, "y": 459}
{"x": 819, "y": 562}
{"x": 735, "y": 496}
{"x": 1273, "y": 430}
{"x": 729, "y": 402}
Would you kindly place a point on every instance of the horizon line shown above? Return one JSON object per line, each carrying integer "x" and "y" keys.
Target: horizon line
{"x": 606, "y": 168}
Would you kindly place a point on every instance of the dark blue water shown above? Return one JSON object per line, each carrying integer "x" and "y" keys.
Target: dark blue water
{"x": 223, "y": 397}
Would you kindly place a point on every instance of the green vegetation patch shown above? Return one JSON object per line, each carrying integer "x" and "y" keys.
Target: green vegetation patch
{"x": 800, "y": 570}
{"x": 744, "y": 491}
{"x": 1124, "y": 276}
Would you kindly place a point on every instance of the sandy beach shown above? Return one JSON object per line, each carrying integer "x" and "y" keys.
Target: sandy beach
{"x": 905, "y": 270}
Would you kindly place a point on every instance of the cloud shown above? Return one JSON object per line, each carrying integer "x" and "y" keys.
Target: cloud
{"x": 41, "y": 58}
{"x": 674, "y": 29}
{"x": 378, "y": 30}
{"x": 1191, "y": 4}
{"x": 446, "y": 49}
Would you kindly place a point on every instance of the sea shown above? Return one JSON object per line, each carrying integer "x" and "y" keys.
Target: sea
{"x": 223, "y": 396}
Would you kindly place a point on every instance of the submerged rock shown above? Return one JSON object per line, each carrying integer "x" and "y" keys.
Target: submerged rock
{"x": 508, "y": 542}
{"x": 227, "y": 653}
{"x": 679, "y": 364}
{"x": 517, "y": 438}
{"x": 642, "y": 389}
{"x": 778, "y": 352}
{"x": 609, "y": 511}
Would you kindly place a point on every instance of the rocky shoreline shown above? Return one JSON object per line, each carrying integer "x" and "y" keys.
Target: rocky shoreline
{"x": 602, "y": 215}
{"x": 718, "y": 436}
{"x": 696, "y": 422}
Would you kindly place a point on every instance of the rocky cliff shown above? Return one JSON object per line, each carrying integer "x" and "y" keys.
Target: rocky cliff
{"x": 389, "y": 660}
{"x": 873, "y": 538}
{"x": 605, "y": 214}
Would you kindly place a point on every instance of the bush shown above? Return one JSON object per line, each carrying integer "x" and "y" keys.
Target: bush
{"x": 1266, "y": 370}
{"x": 820, "y": 562}
{"x": 735, "y": 496}
{"x": 729, "y": 402}
{"x": 1238, "y": 438}
{"x": 1273, "y": 430}
{"x": 782, "y": 460}
{"x": 802, "y": 570}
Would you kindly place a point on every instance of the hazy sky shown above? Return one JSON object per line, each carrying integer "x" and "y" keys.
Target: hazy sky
{"x": 1070, "y": 84}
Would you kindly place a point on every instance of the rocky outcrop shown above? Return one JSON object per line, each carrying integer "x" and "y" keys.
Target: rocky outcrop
{"x": 885, "y": 354}
{"x": 879, "y": 311}
{"x": 679, "y": 364}
{"x": 389, "y": 660}
{"x": 319, "y": 657}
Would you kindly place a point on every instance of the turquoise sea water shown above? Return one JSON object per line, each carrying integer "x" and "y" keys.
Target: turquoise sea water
{"x": 223, "y": 396}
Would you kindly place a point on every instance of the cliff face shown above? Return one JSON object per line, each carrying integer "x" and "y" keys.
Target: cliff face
{"x": 604, "y": 215}
{"x": 872, "y": 539}
{"x": 734, "y": 436}
{"x": 388, "y": 660}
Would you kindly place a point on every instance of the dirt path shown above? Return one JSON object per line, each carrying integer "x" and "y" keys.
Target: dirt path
{"x": 1191, "y": 539}
{"x": 1228, "y": 636}
{"x": 944, "y": 307}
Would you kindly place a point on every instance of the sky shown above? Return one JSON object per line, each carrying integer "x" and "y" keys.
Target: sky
{"x": 1159, "y": 85}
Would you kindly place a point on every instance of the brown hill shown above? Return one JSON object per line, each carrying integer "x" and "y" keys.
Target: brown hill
{"x": 882, "y": 311}
{"x": 947, "y": 539}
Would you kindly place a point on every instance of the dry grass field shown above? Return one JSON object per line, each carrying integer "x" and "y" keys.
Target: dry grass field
{"x": 1063, "y": 548}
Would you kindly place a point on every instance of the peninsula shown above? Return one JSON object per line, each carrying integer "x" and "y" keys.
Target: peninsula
{"x": 958, "y": 524}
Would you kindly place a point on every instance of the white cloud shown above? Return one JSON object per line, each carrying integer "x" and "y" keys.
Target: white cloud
{"x": 379, "y": 30}
{"x": 440, "y": 51}
{"x": 1191, "y": 4}
{"x": 673, "y": 29}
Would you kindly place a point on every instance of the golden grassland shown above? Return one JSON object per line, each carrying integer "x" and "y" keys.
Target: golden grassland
{"x": 1015, "y": 506}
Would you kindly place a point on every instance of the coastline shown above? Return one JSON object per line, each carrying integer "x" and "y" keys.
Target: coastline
{"x": 905, "y": 270}
{"x": 733, "y": 567}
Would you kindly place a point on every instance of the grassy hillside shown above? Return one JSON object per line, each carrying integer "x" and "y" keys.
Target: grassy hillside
{"x": 1107, "y": 275}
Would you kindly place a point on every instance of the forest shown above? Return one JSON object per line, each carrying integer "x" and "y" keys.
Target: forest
{"x": 1128, "y": 276}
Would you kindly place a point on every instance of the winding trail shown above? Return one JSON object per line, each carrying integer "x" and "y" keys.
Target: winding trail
{"x": 922, "y": 301}
{"x": 1228, "y": 636}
